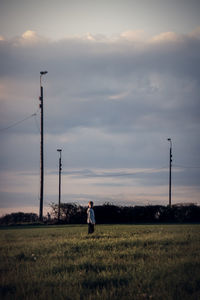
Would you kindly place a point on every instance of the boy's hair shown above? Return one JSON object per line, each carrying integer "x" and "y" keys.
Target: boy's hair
{"x": 91, "y": 203}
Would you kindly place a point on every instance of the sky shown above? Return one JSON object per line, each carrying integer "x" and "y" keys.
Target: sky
{"x": 123, "y": 76}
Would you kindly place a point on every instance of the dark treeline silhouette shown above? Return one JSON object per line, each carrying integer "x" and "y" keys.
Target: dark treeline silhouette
{"x": 18, "y": 218}
{"x": 71, "y": 213}
{"x": 111, "y": 214}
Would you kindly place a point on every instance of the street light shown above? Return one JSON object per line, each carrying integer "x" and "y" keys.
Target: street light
{"x": 43, "y": 72}
{"x": 41, "y": 149}
{"x": 170, "y": 172}
{"x": 60, "y": 169}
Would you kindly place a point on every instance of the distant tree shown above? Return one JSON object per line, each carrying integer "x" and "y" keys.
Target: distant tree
{"x": 69, "y": 213}
{"x": 18, "y": 218}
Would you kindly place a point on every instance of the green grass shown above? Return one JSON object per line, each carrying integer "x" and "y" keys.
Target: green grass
{"x": 117, "y": 262}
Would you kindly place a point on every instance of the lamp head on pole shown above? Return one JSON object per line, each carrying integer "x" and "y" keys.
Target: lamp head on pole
{"x": 170, "y": 140}
{"x": 43, "y": 73}
{"x": 59, "y": 150}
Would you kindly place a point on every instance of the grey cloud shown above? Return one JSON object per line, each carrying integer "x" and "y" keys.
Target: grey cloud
{"x": 148, "y": 177}
{"x": 109, "y": 105}
{"x": 113, "y": 174}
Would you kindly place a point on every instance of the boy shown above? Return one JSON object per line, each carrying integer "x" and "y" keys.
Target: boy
{"x": 90, "y": 217}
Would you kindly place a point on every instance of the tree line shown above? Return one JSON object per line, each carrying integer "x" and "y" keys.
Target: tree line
{"x": 71, "y": 213}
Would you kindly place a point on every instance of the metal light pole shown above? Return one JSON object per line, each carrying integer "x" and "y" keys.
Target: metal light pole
{"x": 170, "y": 173}
{"x": 60, "y": 169}
{"x": 41, "y": 149}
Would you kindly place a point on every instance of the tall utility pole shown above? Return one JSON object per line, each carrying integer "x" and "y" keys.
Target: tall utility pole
{"x": 170, "y": 173}
{"x": 41, "y": 149}
{"x": 60, "y": 169}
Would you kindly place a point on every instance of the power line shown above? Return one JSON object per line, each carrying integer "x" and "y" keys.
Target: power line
{"x": 19, "y": 122}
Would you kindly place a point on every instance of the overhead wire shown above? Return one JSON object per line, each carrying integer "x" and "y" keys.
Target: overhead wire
{"x": 19, "y": 122}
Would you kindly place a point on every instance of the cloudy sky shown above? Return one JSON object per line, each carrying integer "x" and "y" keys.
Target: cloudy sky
{"x": 123, "y": 76}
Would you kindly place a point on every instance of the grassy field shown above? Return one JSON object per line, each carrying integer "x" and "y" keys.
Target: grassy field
{"x": 117, "y": 262}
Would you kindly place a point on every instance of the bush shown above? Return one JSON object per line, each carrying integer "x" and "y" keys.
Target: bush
{"x": 18, "y": 218}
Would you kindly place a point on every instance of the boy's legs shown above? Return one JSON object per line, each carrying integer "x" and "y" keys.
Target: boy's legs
{"x": 90, "y": 228}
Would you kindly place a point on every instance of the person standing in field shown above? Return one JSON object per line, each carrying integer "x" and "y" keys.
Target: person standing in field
{"x": 90, "y": 217}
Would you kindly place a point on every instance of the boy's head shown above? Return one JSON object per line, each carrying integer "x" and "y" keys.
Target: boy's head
{"x": 90, "y": 204}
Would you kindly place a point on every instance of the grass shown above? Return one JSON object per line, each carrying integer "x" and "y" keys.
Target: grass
{"x": 117, "y": 262}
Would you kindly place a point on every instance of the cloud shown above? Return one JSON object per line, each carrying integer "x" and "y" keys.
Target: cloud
{"x": 30, "y": 38}
{"x": 133, "y": 35}
{"x": 109, "y": 103}
{"x": 29, "y": 35}
{"x": 166, "y": 37}
{"x": 119, "y": 96}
